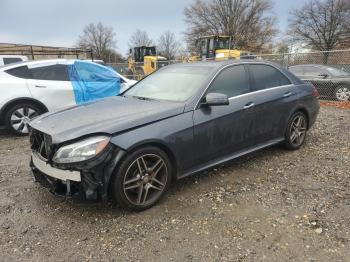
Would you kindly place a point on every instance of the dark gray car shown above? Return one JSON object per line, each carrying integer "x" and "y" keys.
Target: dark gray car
{"x": 178, "y": 121}
{"x": 331, "y": 83}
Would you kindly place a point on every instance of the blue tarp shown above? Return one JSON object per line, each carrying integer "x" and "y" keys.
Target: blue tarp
{"x": 91, "y": 81}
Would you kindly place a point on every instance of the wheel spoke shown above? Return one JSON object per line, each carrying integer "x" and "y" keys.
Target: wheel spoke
{"x": 19, "y": 113}
{"x": 139, "y": 195}
{"x": 156, "y": 164}
{"x": 17, "y": 125}
{"x": 139, "y": 165}
{"x": 155, "y": 187}
{"x": 298, "y": 138}
{"x": 145, "y": 195}
{"x": 155, "y": 173}
{"x": 137, "y": 178}
{"x": 157, "y": 181}
{"x": 144, "y": 163}
{"x": 25, "y": 129}
{"x": 132, "y": 187}
{"x": 293, "y": 136}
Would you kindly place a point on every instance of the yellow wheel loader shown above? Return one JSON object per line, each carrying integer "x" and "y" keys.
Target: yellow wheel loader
{"x": 143, "y": 60}
{"x": 218, "y": 48}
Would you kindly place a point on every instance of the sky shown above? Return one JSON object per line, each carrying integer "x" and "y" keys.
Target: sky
{"x": 60, "y": 22}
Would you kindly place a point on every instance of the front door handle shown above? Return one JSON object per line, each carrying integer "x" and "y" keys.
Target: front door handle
{"x": 287, "y": 94}
{"x": 39, "y": 86}
{"x": 249, "y": 105}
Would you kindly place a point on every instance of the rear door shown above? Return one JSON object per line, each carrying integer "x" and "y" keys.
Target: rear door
{"x": 50, "y": 84}
{"x": 223, "y": 130}
{"x": 275, "y": 96}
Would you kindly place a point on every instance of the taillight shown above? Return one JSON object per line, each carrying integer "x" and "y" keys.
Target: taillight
{"x": 315, "y": 92}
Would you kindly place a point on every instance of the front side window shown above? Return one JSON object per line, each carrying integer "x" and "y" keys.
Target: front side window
{"x": 232, "y": 81}
{"x": 57, "y": 72}
{"x": 266, "y": 76}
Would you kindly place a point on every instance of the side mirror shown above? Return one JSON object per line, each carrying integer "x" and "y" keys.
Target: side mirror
{"x": 215, "y": 99}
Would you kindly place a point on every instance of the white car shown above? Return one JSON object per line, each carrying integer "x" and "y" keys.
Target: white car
{"x": 31, "y": 88}
{"x": 10, "y": 59}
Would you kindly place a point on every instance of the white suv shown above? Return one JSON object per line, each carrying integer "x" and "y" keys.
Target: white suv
{"x": 31, "y": 88}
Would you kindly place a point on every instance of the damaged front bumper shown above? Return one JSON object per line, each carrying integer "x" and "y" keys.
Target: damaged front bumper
{"x": 87, "y": 180}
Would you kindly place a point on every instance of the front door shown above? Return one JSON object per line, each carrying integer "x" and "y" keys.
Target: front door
{"x": 223, "y": 130}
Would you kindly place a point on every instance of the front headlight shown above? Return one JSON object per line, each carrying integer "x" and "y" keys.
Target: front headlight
{"x": 82, "y": 150}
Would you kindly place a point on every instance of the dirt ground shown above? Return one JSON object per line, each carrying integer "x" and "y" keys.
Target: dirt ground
{"x": 273, "y": 205}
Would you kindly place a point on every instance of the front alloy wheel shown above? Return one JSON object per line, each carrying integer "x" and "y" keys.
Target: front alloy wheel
{"x": 142, "y": 179}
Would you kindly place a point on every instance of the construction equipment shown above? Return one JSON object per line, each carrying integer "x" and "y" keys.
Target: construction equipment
{"x": 143, "y": 60}
{"x": 217, "y": 47}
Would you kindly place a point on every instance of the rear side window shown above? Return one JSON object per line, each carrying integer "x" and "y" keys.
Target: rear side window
{"x": 56, "y": 72}
{"x": 232, "y": 81}
{"x": 21, "y": 72}
{"x": 265, "y": 76}
{"x": 10, "y": 60}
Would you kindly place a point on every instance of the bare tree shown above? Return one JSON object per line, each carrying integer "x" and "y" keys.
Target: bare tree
{"x": 321, "y": 24}
{"x": 247, "y": 21}
{"x": 139, "y": 38}
{"x": 168, "y": 46}
{"x": 100, "y": 38}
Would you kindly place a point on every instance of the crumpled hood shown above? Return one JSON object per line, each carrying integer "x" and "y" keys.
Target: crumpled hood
{"x": 110, "y": 116}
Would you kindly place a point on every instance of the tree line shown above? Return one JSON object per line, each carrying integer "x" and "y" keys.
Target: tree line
{"x": 318, "y": 24}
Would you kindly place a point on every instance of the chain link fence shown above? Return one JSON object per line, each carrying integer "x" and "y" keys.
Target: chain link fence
{"x": 329, "y": 71}
{"x": 35, "y": 52}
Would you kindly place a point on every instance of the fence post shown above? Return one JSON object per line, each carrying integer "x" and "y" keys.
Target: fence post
{"x": 31, "y": 51}
{"x": 92, "y": 54}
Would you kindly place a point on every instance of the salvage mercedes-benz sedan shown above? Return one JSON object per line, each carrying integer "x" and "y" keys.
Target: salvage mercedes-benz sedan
{"x": 178, "y": 121}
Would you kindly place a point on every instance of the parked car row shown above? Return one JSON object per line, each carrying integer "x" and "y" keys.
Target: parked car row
{"x": 29, "y": 89}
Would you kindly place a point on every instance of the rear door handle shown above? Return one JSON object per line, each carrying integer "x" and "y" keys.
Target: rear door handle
{"x": 39, "y": 86}
{"x": 249, "y": 105}
{"x": 287, "y": 94}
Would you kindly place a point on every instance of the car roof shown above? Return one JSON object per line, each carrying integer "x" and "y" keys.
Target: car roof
{"x": 45, "y": 61}
{"x": 219, "y": 64}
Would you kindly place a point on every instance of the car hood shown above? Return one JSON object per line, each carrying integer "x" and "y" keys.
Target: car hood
{"x": 109, "y": 116}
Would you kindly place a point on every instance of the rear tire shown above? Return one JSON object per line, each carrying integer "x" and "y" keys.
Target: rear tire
{"x": 342, "y": 93}
{"x": 296, "y": 131}
{"x": 142, "y": 178}
{"x": 18, "y": 116}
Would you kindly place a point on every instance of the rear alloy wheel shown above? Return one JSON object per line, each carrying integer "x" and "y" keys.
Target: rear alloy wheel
{"x": 296, "y": 131}
{"x": 142, "y": 179}
{"x": 18, "y": 117}
{"x": 342, "y": 93}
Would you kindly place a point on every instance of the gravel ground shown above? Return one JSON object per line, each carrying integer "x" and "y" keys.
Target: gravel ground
{"x": 273, "y": 205}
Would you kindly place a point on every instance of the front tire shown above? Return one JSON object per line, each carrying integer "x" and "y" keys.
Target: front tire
{"x": 18, "y": 116}
{"x": 296, "y": 131}
{"x": 142, "y": 178}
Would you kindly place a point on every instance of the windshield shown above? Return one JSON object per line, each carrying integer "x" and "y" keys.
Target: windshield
{"x": 176, "y": 84}
{"x": 223, "y": 43}
{"x": 337, "y": 72}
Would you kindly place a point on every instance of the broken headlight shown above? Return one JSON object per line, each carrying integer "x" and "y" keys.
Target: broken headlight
{"x": 82, "y": 150}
